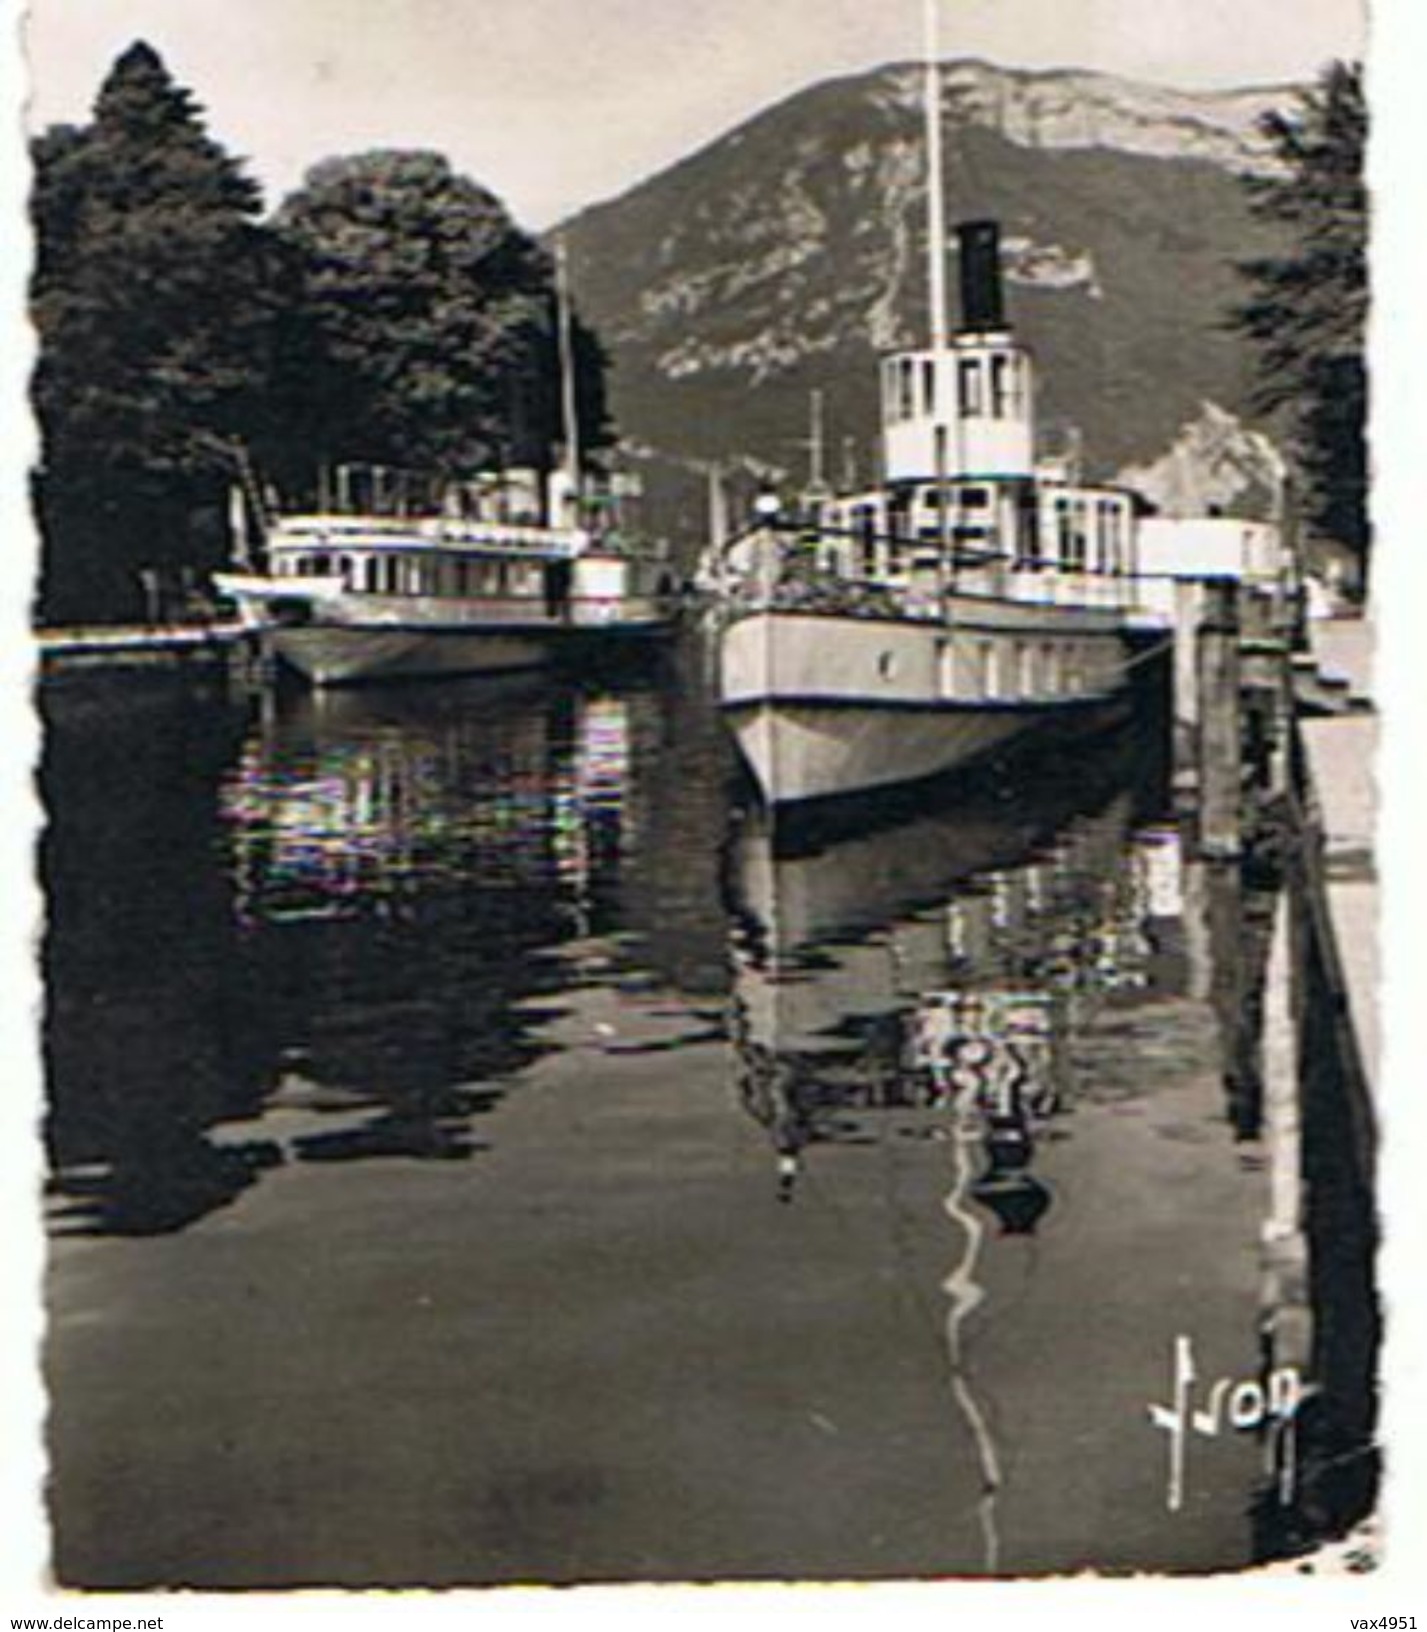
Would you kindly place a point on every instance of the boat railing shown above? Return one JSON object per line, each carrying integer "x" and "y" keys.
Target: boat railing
{"x": 787, "y": 565}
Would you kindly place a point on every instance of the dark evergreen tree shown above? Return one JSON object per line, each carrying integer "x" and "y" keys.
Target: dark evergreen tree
{"x": 154, "y": 297}
{"x": 431, "y": 319}
{"x": 1307, "y": 311}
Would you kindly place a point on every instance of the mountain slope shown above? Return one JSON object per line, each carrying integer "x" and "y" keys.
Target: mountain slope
{"x": 786, "y": 255}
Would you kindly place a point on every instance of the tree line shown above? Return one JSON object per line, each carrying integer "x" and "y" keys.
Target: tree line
{"x": 1306, "y": 309}
{"x": 389, "y": 313}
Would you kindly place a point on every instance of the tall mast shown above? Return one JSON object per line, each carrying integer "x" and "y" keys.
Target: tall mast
{"x": 816, "y": 479}
{"x": 569, "y": 410}
{"x": 936, "y": 203}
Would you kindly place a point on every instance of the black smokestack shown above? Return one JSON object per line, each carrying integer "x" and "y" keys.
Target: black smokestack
{"x": 981, "y": 305}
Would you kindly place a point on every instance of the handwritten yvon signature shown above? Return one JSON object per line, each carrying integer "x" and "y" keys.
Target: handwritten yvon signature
{"x": 1270, "y": 1402}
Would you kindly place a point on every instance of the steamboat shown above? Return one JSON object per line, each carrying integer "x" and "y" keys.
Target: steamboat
{"x": 881, "y": 637}
{"x": 505, "y": 573}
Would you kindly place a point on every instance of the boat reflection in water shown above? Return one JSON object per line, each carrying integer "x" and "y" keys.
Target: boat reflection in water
{"x": 925, "y": 982}
{"x": 353, "y": 804}
{"x": 934, "y": 968}
{"x": 343, "y": 979}
{"x": 478, "y": 831}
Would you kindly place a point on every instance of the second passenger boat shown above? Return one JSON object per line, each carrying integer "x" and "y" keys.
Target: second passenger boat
{"x": 477, "y": 579}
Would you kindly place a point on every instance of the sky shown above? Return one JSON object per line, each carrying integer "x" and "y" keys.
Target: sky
{"x": 554, "y": 104}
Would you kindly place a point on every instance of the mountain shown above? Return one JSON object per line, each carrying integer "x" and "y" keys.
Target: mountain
{"x": 1215, "y": 463}
{"x": 786, "y": 255}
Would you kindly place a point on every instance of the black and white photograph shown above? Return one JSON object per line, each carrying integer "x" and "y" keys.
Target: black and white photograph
{"x": 702, "y": 859}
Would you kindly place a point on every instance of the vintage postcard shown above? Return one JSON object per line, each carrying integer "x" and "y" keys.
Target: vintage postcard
{"x": 707, "y": 691}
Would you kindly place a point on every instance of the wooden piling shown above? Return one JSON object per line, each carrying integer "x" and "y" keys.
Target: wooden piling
{"x": 1187, "y": 593}
{"x": 1220, "y": 753}
{"x": 1287, "y": 1316}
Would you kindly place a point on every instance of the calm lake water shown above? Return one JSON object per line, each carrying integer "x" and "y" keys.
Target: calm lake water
{"x": 483, "y": 1151}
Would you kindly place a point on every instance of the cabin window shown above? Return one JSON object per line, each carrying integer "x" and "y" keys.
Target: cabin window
{"x": 865, "y": 523}
{"x": 1070, "y": 516}
{"x": 975, "y": 498}
{"x": 1048, "y": 668}
{"x": 1115, "y": 535}
{"x": 984, "y": 669}
{"x": 929, "y": 386}
{"x": 1028, "y": 542}
{"x": 1023, "y": 676}
{"x": 1108, "y": 536}
{"x": 1064, "y": 533}
{"x": 895, "y": 552}
{"x": 908, "y": 388}
{"x": 1000, "y": 386}
{"x": 969, "y": 386}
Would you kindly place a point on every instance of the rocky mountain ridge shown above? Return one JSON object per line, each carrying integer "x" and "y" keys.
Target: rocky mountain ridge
{"x": 786, "y": 256}
{"x": 1072, "y": 108}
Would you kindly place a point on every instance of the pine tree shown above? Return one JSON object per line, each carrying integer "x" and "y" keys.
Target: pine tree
{"x": 153, "y": 295}
{"x": 1307, "y": 312}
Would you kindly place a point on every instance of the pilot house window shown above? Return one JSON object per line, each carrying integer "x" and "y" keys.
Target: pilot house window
{"x": 1001, "y": 386}
{"x": 968, "y": 375}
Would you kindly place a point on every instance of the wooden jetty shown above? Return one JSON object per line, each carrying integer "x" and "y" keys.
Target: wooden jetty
{"x": 1275, "y": 745}
{"x": 224, "y": 645}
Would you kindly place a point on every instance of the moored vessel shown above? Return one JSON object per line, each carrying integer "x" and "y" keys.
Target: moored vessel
{"x": 981, "y": 590}
{"x": 478, "y": 581}
{"x": 885, "y": 636}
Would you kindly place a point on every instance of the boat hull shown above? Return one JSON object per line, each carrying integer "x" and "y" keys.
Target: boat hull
{"x": 824, "y": 706}
{"x": 344, "y": 655}
{"x": 337, "y": 656}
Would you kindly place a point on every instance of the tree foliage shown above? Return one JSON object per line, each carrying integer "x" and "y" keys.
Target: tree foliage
{"x": 153, "y": 298}
{"x": 390, "y": 313}
{"x": 1306, "y": 314}
{"x": 432, "y": 318}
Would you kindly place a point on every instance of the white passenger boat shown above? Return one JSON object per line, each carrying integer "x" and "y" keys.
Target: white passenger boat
{"x": 880, "y": 637}
{"x": 479, "y": 584}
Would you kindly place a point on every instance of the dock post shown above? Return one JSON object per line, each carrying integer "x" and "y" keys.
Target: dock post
{"x": 249, "y": 664}
{"x": 1187, "y": 592}
{"x": 1287, "y": 1317}
{"x": 1220, "y": 748}
{"x": 1184, "y": 686}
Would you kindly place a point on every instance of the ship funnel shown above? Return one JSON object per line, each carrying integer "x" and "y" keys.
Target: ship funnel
{"x": 982, "y": 308}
